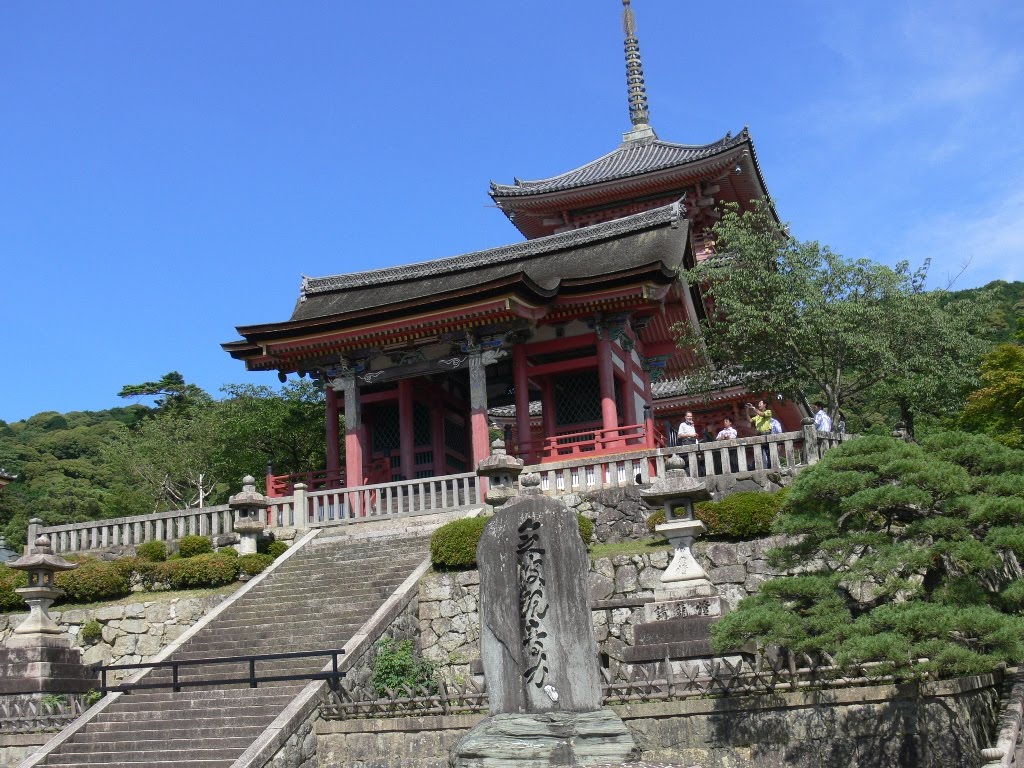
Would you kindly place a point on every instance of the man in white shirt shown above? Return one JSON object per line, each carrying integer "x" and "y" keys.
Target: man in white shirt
{"x": 822, "y": 422}
{"x": 687, "y": 430}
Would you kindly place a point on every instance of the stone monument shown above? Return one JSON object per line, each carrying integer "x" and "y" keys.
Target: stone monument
{"x": 537, "y": 644}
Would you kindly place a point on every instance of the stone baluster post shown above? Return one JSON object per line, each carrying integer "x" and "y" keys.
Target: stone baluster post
{"x": 811, "y": 452}
{"x": 300, "y": 513}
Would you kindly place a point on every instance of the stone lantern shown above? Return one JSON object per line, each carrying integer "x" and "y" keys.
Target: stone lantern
{"x": 501, "y": 471}
{"x": 41, "y": 564}
{"x": 249, "y": 507}
{"x": 677, "y": 492}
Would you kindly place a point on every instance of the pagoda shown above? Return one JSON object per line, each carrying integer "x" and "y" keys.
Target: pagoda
{"x": 564, "y": 340}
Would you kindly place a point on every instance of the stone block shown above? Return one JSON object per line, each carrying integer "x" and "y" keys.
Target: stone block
{"x": 601, "y": 587}
{"x": 728, "y": 574}
{"x": 720, "y": 553}
{"x": 650, "y": 578}
{"x": 625, "y": 578}
{"x": 109, "y": 613}
{"x": 135, "y": 611}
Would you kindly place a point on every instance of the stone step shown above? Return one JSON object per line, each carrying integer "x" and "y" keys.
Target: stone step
{"x": 130, "y": 742}
{"x": 129, "y": 755}
{"x": 171, "y": 728}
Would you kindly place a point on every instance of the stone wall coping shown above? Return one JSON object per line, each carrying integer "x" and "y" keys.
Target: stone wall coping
{"x": 87, "y": 717}
{"x": 399, "y": 724}
{"x": 24, "y": 739}
{"x": 798, "y": 699}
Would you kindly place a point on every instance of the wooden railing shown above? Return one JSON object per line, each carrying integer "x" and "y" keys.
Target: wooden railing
{"x": 588, "y": 441}
{"x": 580, "y": 473}
{"x": 283, "y": 485}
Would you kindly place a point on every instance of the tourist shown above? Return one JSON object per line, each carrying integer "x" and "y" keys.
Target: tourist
{"x": 687, "y": 430}
{"x": 727, "y": 432}
{"x": 822, "y": 421}
{"x": 761, "y": 421}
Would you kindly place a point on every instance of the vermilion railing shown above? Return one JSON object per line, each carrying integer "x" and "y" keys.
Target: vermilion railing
{"x": 284, "y": 485}
{"x": 566, "y": 445}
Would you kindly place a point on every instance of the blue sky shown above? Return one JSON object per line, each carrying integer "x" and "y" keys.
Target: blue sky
{"x": 169, "y": 170}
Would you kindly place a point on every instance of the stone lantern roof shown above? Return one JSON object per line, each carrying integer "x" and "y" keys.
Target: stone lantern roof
{"x": 676, "y": 483}
{"x": 42, "y": 558}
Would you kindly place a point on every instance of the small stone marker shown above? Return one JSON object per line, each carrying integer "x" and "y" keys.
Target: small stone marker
{"x": 250, "y": 505}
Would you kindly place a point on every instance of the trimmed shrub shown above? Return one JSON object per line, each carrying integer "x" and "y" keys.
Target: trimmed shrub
{"x": 453, "y": 545}
{"x": 744, "y": 515}
{"x": 655, "y": 518}
{"x": 586, "y": 526}
{"x": 93, "y": 581}
{"x": 152, "y": 551}
{"x": 207, "y": 570}
{"x": 277, "y": 548}
{"x": 228, "y": 552}
{"x": 253, "y": 563}
{"x": 10, "y": 580}
{"x": 90, "y": 632}
{"x": 190, "y": 546}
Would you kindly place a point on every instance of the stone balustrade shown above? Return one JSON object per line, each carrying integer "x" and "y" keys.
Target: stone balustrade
{"x": 783, "y": 453}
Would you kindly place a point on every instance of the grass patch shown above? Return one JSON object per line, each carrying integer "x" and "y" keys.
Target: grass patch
{"x": 639, "y": 547}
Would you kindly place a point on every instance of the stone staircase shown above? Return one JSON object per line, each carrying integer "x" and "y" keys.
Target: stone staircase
{"x": 314, "y": 600}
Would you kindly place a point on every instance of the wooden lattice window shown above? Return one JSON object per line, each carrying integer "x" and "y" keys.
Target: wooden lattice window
{"x": 577, "y": 398}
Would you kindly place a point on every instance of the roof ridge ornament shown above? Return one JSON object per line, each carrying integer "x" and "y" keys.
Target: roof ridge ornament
{"x": 636, "y": 89}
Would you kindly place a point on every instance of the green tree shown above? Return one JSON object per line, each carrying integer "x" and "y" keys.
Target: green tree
{"x": 171, "y": 392}
{"x": 794, "y": 317}
{"x": 997, "y": 407}
{"x": 907, "y": 551}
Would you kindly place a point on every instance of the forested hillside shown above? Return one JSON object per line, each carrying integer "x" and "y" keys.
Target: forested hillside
{"x": 186, "y": 449}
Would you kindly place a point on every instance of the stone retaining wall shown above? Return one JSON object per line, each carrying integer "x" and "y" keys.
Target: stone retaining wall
{"x": 132, "y": 632}
{"x": 931, "y": 725}
{"x": 449, "y": 621}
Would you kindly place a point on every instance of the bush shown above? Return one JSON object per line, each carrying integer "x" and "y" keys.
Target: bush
{"x": 228, "y": 552}
{"x": 586, "y": 526}
{"x": 655, "y": 519}
{"x": 743, "y": 515}
{"x": 93, "y": 581}
{"x": 207, "y": 570}
{"x": 152, "y": 551}
{"x": 90, "y": 632}
{"x": 277, "y": 548}
{"x": 190, "y": 546}
{"x": 453, "y": 545}
{"x": 254, "y": 563}
{"x": 397, "y": 666}
{"x": 10, "y": 580}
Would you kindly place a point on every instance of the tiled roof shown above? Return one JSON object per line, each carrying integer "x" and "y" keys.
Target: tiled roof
{"x": 508, "y": 253}
{"x": 631, "y": 158}
{"x": 508, "y": 411}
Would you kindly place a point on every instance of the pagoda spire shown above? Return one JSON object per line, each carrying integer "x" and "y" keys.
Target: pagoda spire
{"x": 635, "y": 86}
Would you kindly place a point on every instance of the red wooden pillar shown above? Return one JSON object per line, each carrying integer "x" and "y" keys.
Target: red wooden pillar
{"x": 332, "y": 436}
{"x": 405, "y": 429}
{"x": 355, "y": 438}
{"x": 547, "y": 402}
{"x": 606, "y": 380}
{"x": 478, "y": 409}
{"x": 522, "y": 387}
{"x": 437, "y": 428}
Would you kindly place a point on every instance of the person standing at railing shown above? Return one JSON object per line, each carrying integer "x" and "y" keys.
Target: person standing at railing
{"x": 728, "y": 432}
{"x": 761, "y": 421}
{"x": 822, "y": 421}
{"x": 687, "y": 430}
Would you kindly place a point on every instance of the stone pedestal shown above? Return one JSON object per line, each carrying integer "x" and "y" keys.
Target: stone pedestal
{"x": 43, "y": 667}
{"x": 540, "y": 740}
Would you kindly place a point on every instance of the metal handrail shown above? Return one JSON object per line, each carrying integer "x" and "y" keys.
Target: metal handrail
{"x": 252, "y": 679}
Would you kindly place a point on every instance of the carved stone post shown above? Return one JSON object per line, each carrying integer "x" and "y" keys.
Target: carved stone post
{"x": 811, "y": 451}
